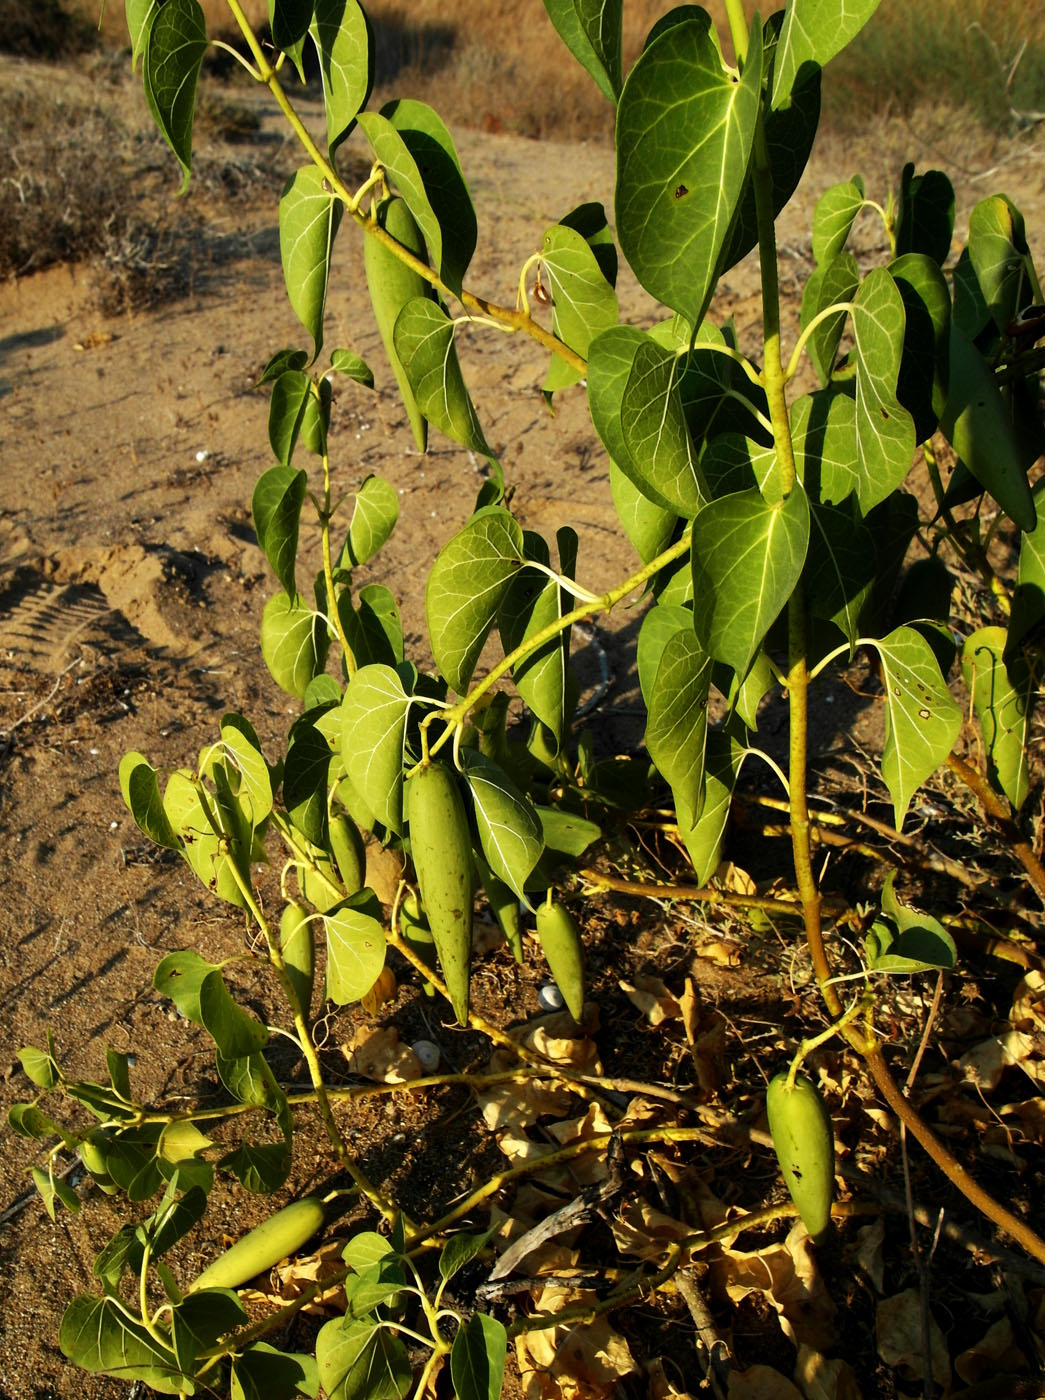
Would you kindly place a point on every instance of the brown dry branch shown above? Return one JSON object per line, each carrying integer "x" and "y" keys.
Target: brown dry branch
{"x": 1000, "y": 814}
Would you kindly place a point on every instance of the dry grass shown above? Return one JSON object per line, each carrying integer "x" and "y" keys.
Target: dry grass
{"x": 985, "y": 55}
{"x": 499, "y": 64}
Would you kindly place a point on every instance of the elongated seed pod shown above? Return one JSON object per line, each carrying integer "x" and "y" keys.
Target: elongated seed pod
{"x": 297, "y": 942}
{"x": 274, "y": 1239}
{"x": 416, "y": 933}
{"x": 804, "y": 1141}
{"x": 392, "y": 284}
{"x": 93, "y": 1159}
{"x": 441, "y": 847}
{"x": 504, "y": 906}
{"x": 559, "y": 935}
{"x": 348, "y": 850}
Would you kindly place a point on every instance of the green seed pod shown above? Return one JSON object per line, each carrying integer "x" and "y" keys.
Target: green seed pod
{"x": 392, "y": 284}
{"x": 348, "y": 850}
{"x": 804, "y": 1141}
{"x": 413, "y": 926}
{"x": 93, "y": 1158}
{"x": 504, "y": 905}
{"x": 274, "y": 1239}
{"x": 559, "y": 935}
{"x": 441, "y": 847}
{"x": 297, "y": 941}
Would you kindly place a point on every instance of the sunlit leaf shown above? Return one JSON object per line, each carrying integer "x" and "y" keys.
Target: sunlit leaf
{"x": 373, "y": 519}
{"x": 359, "y": 1360}
{"x": 685, "y": 132}
{"x": 343, "y": 39}
{"x": 180, "y": 976}
{"x": 583, "y": 301}
{"x": 591, "y": 30}
{"x": 243, "y": 748}
{"x": 477, "y": 1358}
{"x": 355, "y": 948}
{"x": 814, "y": 31}
{"x": 309, "y": 217}
{"x": 1003, "y": 691}
{"x": 418, "y": 152}
{"x": 884, "y": 429}
{"x": 374, "y": 714}
{"x": 276, "y": 507}
{"x": 831, "y": 284}
{"x": 97, "y": 1335}
{"x": 352, "y": 366}
{"x": 175, "y": 40}
{"x": 466, "y": 588}
{"x": 904, "y": 941}
{"x": 424, "y": 338}
{"x": 509, "y": 827}
{"x": 922, "y": 719}
{"x": 294, "y": 642}
{"x": 833, "y": 218}
{"x": 141, "y": 793}
{"x": 660, "y": 455}
{"x": 747, "y": 558}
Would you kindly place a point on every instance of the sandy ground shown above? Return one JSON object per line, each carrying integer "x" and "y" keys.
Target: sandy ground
{"x": 131, "y": 590}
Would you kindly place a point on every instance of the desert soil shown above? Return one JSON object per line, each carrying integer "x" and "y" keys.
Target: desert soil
{"x": 131, "y": 589}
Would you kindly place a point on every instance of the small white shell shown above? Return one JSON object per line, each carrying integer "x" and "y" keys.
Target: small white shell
{"x": 549, "y": 998}
{"x": 427, "y": 1053}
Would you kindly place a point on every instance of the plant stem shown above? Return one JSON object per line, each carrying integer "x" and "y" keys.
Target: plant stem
{"x": 508, "y": 317}
{"x": 702, "y": 894}
{"x": 798, "y": 671}
{"x": 773, "y": 378}
{"x": 455, "y": 714}
{"x": 308, "y": 1049}
{"x": 999, "y": 812}
{"x": 948, "y": 1164}
{"x": 328, "y": 568}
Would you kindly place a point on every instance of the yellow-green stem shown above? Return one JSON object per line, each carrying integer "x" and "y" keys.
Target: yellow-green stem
{"x": 455, "y": 715}
{"x": 798, "y": 672}
{"x": 509, "y": 317}
{"x": 328, "y": 570}
{"x": 308, "y": 1049}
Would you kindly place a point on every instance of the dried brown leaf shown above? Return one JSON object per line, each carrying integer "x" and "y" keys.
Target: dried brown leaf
{"x": 995, "y": 1352}
{"x": 870, "y": 1253}
{"x": 723, "y": 952}
{"x": 383, "y": 990}
{"x": 761, "y": 1383}
{"x": 787, "y": 1274}
{"x": 821, "y": 1379}
{"x": 1028, "y": 1002}
{"x": 898, "y": 1330}
{"x": 580, "y": 1360}
{"x": 650, "y": 996}
{"x": 378, "y": 1055}
{"x": 985, "y": 1063}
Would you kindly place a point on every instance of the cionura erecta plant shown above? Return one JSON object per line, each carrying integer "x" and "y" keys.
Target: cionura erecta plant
{"x": 772, "y": 528}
